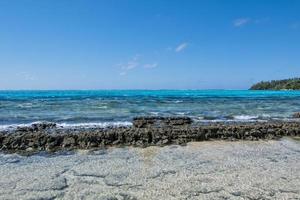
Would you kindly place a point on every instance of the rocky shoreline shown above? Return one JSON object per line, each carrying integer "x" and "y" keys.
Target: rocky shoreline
{"x": 145, "y": 131}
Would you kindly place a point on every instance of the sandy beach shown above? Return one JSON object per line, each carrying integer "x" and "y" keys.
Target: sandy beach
{"x": 199, "y": 170}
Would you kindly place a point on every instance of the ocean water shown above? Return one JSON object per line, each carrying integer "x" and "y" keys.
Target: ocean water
{"x": 118, "y": 107}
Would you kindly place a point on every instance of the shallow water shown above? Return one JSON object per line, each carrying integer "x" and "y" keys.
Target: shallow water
{"x": 105, "y": 107}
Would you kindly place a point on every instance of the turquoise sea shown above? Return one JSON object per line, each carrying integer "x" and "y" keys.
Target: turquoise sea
{"x": 116, "y": 107}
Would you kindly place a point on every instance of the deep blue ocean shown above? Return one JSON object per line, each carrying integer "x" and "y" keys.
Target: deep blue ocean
{"x": 113, "y": 107}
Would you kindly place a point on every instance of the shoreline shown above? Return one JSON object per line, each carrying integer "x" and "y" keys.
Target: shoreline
{"x": 145, "y": 131}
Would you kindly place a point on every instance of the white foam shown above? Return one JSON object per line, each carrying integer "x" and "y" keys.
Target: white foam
{"x": 13, "y": 126}
{"x": 178, "y": 101}
{"x": 94, "y": 125}
{"x": 154, "y": 113}
{"x": 237, "y": 118}
{"x": 25, "y": 105}
{"x": 69, "y": 125}
{"x": 245, "y": 117}
{"x": 232, "y": 120}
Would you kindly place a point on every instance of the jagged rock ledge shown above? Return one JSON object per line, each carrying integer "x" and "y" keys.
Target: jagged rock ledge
{"x": 146, "y": 131}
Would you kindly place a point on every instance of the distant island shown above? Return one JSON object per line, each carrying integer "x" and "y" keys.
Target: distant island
{"x": 286, "y": 84}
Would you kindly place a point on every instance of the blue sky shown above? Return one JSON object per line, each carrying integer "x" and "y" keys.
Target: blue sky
{"x": 157, "y": 44}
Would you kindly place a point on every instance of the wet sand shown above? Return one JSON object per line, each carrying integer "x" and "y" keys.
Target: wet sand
{"x": 200, "y": 170}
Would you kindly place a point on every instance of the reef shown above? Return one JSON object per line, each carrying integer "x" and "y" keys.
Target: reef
{"x": 145, "y": 131}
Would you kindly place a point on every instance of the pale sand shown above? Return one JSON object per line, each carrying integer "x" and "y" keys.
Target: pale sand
{"x": 202, "y": 170}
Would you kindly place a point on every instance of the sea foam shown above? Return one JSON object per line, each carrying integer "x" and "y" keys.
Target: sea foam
{"x": 70, "y": 125}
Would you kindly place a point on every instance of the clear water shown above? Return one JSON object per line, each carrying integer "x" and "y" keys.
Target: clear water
{"x": 114, "y": 107}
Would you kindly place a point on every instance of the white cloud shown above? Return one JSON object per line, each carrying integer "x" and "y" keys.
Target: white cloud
{"x": 130, "y": 65}
{"x": 150, "y": 66}
{"x": 241, "y": 22}
{"x": 26, "y": 76}
{"x": 181, "y": 47}
{"x": 133, "y": 63}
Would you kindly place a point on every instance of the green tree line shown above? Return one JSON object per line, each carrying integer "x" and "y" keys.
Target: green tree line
{"x": 286, "y": 84}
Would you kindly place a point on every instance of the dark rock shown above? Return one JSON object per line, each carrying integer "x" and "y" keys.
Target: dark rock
{"x": 209, "y": 118}
{"x": 144, "y": 122}
{"x": 38, "y": 126}
{"x": 296, "y": 115}
{"x": 25, "y": 129}
{"x": 69, "y": 142}
{"x": 42, "y": 125}
{"x": 146, "y": 131}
